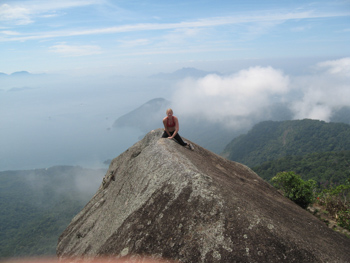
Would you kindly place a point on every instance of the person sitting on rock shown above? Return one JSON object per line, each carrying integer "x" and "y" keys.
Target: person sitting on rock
{"x": 171, "y": 129}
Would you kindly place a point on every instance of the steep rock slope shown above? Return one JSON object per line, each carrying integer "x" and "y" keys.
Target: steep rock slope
{"x": 194, "y": 206}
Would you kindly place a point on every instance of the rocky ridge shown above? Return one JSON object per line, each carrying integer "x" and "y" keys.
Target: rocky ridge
{"x": 165, "y": 201}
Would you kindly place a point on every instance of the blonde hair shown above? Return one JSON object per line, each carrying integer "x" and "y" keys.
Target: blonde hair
{"x": 169, "y": 110}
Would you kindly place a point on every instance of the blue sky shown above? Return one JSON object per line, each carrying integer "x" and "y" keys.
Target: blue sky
{"x": 135, "y": 37}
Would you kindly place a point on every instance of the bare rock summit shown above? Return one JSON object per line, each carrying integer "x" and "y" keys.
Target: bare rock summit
{"x": 162, "y": 200}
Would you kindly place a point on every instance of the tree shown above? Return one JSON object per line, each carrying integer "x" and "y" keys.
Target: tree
{"x": 336, "y": 201}
{"x": 295, "y": 188}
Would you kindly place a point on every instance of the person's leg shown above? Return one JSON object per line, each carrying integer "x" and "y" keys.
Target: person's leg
{"x": 179, "y": 139}
{"x": 165, "y": 135}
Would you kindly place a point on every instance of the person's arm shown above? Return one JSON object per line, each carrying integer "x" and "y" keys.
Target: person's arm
{"x": 176, "y": 127}
{"x": 166, "y": 126}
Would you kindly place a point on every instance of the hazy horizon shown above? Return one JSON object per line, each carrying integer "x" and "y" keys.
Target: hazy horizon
{"x": 68, "y": 121}
{"x": 97, "y": 57}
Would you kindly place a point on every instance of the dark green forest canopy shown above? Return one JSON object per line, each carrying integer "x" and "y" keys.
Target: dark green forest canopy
{"x": 37, "y": 205}
{"x": 272, "y": 140}
{"x": 328, "y": 168}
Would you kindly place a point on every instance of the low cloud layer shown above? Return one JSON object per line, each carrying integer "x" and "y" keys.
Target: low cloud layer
{"x": 75, "y": 51}
{"x": 323, "y": 92}
{"x": 249, "y": 92}
{"x": 51, "y": 120}
{"x": 228, "y": 98}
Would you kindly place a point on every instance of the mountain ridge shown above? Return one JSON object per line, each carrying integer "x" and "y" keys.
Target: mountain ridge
{"x": 271, "y": 140}
{"x": 164, "y": 200}
{"x": 22, "y": 73}
{"x": 144, "y": 117}
{"x": 182, "y": 73}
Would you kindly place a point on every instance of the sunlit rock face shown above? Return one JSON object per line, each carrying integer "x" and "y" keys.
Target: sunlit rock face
{"x": 164, "y": 200}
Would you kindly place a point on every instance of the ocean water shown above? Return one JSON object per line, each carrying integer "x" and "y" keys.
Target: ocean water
{"x": 68, "y": 122}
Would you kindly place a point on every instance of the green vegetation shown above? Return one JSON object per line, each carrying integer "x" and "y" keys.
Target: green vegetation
{"x": 37, "y": 205}
{"x": 342, "y": 115}
{"x": 296, "y": 189}
{"x": 336, "y": 200}
{"x": 305, "y": 159}
{"x": 327, "y": 168}
{"x": 271, "y": 140}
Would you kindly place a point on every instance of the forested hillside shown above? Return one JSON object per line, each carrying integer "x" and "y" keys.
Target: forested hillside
{"x": 328, "y": 168}
{"x": 271, "y": 140}
{"x": 37, "y": 205}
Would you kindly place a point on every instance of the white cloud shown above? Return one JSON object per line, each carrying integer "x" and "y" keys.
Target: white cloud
{"x": 340, "y": 66}
{"x": 9, "y": 33}
{"x": 262, "y": 22}
{"x": 23, "y": 13}
{"x": 75, "y": 51}
{"x": 134, "y": 43}
{"x": 301, "y": 28}
{"x": 325, "y": 91}
{"x": 244, "y": 97}
{"x": 179, "y": 35}
{"x": 232, "y": 97}
{"x": 20, "y": 15}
